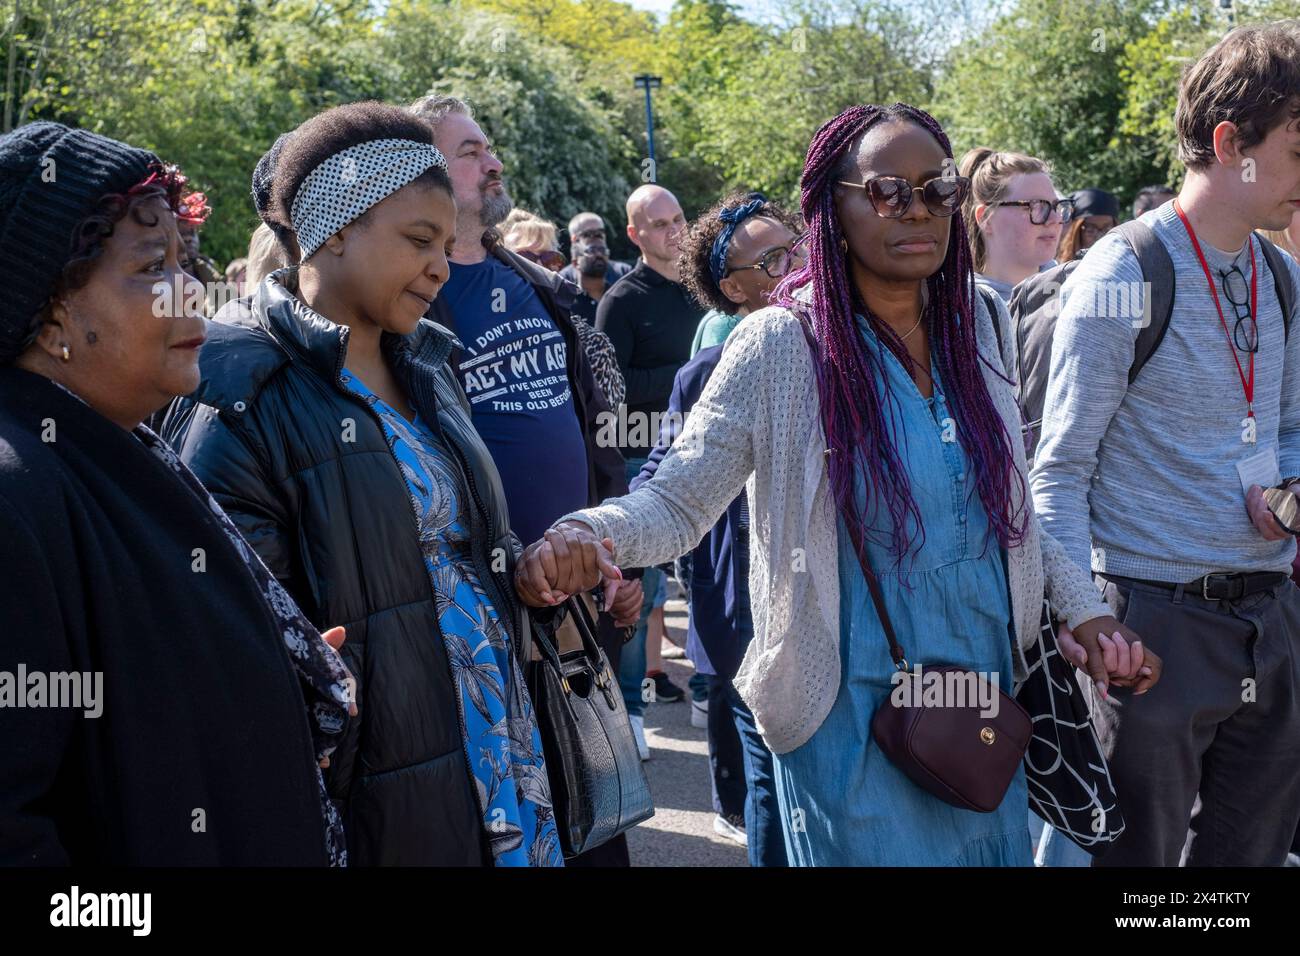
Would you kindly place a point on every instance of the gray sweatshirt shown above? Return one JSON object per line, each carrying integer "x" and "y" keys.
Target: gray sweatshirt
{"x": 1142, "y": 481}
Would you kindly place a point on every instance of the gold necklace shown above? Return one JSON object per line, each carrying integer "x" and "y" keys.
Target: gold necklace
{"x": 904, "y": 338}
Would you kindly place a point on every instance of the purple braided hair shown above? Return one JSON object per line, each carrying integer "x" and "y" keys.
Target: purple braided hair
{"x": 854, "y": 418}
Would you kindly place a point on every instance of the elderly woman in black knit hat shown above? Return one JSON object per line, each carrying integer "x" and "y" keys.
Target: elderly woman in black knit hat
{"x": 162, "y": 699}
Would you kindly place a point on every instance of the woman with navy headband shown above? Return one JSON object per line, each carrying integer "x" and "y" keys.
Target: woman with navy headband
{"x": 331, "y": 428}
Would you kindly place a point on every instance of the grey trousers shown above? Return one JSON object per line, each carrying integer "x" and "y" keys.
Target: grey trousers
{"x": 1224, "y": 722}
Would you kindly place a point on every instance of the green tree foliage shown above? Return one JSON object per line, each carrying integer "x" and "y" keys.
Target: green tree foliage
{"x": 1045, "y": 79}
{"x": 561, "y": 151}
{"x": 756, "y": 131}
{"x": 1153, "y": 63}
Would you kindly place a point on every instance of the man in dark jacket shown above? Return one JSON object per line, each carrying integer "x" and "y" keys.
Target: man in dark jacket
{"x": 531, "y": 390}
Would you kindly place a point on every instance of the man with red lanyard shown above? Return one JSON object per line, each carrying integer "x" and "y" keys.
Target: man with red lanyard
{"x": 1157, "y": 484}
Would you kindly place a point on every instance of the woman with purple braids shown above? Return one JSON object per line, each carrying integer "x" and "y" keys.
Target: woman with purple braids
{"x": 869, "y": 418}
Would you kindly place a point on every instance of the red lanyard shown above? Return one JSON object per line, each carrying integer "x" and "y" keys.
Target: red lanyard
{"x": 1247, "y": 383}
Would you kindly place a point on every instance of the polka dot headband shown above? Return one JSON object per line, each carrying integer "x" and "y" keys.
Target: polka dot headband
{"x": 351, "y": 181}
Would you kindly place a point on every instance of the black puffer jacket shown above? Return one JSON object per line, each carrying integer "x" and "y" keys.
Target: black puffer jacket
{"x": 268, "y": 432}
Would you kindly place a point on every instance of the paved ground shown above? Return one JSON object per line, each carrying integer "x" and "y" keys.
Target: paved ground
{"x": 681, "y": 831}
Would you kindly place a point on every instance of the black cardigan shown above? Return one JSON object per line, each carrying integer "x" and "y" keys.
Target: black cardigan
{"x": 203, "y": 752}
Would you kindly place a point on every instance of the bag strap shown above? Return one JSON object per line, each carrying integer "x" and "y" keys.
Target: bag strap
{"x": 878, "y": 599}
{"x": 1158, "y": 274}
{"x": 873, "y": 585}
{"x": 580, "y": 615}
{"x": 987, "y": 296}
{"x": 1276, "y": 260}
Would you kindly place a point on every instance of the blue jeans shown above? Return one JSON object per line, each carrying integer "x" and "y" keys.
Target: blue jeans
{"x": 757, "y": 787}
{"x": 699, "y": 685}
{"x": 631, "y": 664}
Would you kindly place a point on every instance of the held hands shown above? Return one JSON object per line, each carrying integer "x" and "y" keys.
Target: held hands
{"x": 569, "y": 558}
{"x": 626, "y": 609}
{"x": 1111, "y": 653}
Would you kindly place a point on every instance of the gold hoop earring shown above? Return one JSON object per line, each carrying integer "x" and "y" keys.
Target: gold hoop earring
{"x": 67, "y": 355}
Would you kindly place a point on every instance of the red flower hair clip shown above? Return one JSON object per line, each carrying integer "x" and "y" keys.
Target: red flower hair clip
{"x": 194, "y": 208}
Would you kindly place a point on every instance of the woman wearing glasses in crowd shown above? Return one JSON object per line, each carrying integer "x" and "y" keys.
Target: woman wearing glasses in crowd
{"x": 1013, "y": 215}
{"x": 1093, "y": 213}
{"x": 532, "y": 237}
{"x": 761, "y": 249}
{"x": 731, "y": 259}
{"x": 831, "y": 410}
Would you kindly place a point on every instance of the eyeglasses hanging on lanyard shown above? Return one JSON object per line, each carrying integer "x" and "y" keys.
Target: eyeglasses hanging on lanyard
{"x": 1245, "y": 334}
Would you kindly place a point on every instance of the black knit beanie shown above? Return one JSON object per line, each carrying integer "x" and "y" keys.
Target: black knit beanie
{"x": 51, "y": 178}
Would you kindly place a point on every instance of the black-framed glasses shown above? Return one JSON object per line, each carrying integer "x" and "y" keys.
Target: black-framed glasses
{"x": 589, "y": 235}
{"x": 1245, "y": 333}
{"x": 891, "y": 196}
{"x": 777, "y": 262}
{"x": 1040, "y": 210}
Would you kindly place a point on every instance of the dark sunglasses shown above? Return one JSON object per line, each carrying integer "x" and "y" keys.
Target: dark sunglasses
{"x": 1040, "y": 210}
{"x": 891, "y": 196}
{"x": 779, "y": 261}
{"x": 549, "y": 258}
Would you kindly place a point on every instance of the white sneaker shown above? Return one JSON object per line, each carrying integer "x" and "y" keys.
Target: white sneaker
{"x": 725, "y": 828}
{"x": 638, "y": 732}
{"x": 699, "y": 713}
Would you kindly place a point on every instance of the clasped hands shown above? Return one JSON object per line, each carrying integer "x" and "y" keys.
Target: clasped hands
{"x": 1111, "y": 654}
{"x": 570, "y": 559}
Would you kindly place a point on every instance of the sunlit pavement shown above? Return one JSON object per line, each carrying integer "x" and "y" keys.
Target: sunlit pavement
{"x": 681, "y": 831}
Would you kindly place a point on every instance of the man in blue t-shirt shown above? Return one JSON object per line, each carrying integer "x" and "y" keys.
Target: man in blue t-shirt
{"x": 513, "y": 370}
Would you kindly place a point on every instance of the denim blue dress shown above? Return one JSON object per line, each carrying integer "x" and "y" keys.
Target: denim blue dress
{"x": 843, "y": 803}
{"x": 502, "y": 745}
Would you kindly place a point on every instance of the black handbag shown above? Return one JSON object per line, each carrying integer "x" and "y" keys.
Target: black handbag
{"x": 598, "y": 787}
{"x": 1065, "y": 766}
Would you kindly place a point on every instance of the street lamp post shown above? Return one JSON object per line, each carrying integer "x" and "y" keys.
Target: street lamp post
{"x": 645, "y": 81}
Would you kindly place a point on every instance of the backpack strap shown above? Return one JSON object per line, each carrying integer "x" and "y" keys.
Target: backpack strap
{"x": 1158, "y": 275}
{"x": 993, "y": 314}
{"x": 1276, "y": 260}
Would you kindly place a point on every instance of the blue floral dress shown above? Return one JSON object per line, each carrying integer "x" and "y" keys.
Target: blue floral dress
{"x": 502, "y": 743}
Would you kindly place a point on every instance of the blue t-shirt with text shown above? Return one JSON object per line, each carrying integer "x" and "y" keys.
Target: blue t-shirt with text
{"x": 514, "y": 372}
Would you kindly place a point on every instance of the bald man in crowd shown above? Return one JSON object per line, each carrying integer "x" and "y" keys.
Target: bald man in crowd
{"x": 649, "y": 316}
{"x": 651, "y": 319}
